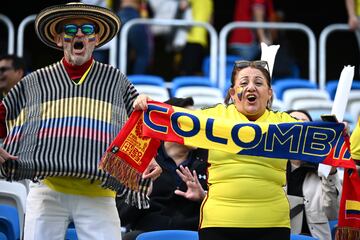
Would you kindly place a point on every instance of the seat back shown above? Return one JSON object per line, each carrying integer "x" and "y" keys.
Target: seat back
{"x": 14, "y": 194}
{"x": 139, "y": 79}
{"x": 189, "y": 81}
{"x": 331, "y": 87}
{"x": 9, "y": 222}
{"x": 333, "y": 226}
{"x": 156, "y": 93}
{"x": 290, "y": 83}
{"x": 3, "y": 236}
{"x": 169, "y": 235}
{"x": 301, "y": 237}
{"x": 71, "y": 234}
{"x": 290, "y": 96}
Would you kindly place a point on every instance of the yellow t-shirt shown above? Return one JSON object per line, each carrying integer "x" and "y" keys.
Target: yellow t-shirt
{"x": 78, "y": 186}
{"x": 355, "y": 142}
{"x": 245, "y": 191}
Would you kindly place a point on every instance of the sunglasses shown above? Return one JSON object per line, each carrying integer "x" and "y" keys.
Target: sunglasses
{"x": 4, "y": 69}
{"x": 258, "y": 64}
{"x": 72, "y": 29}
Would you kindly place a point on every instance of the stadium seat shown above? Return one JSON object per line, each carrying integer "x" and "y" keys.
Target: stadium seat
{"x": 203, "y": 96}
{"x": 331, "y": 87}
{"x": 278, "y": 105}
{"x": 333, "y": 225}
{"x": 289, "y": 83}
{"x": 316, "y": 116}
{"x": 71, "y": 234}
{"x": 230, "y": 60}
{"x": 169, "y": 235}
{"x": 156, "y": 93}
{"x": 14, "y": 194}
{"x": 153, "y": 86}
{"x": 354, "y": 98}
{"x": 189, "y": 81}
{"x": 290, "y": 96}
{"x": 9, "y": 222}
{"x": 313, "y": 105}
{"x": 354, "y": 109}
{"x": 301, "y": 237}
{"x": 146, "y": 80}
{"x": 3, "y": 236}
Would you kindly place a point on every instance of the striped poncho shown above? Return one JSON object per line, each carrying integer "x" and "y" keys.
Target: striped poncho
{"x": 59, "y": 128}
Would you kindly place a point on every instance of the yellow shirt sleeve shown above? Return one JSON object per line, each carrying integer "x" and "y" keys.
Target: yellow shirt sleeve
{"x": 355, "y": 142}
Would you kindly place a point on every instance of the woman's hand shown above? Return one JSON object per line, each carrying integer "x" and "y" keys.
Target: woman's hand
{"x": 194, "y": 192}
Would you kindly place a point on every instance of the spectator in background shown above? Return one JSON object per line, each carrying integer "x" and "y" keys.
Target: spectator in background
{"x": 139, "y": 37}
{"x": 175, "y": 199}
{"x": 12, "y": 70}
{"x": 314, "y": 200}
{"x": 243, "y": 42}
{"x": 192, "y": 55}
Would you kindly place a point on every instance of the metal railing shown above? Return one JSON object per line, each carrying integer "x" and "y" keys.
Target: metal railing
{"x": 112, "y": 45}
{"x": 322, "y": 49}
{"x": 11, "y": 33}
{"x": 20, "y": 34}
{"x": 169, "y": 22}
{"x": 256, "y": 25}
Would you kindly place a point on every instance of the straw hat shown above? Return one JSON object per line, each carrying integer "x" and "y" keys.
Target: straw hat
{"x": 108, "y": 23}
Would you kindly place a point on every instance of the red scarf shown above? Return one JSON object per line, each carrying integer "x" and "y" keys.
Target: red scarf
{"x": 349, "y": 214}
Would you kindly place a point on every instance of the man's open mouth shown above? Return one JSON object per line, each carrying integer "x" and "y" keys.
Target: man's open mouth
{"x": 78, "y": 45}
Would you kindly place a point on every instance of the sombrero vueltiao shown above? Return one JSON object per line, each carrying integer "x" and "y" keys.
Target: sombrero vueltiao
{"x": 46, "y": 21}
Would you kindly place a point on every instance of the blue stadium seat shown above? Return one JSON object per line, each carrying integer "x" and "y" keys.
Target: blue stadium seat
{"x": 287, "y": 83}
{"x": 331, "y": 87}
{"x": 9, "y": 222}
{"x": 301, "y": 237}
{"x": 230, "y": 60}
{"x": 146, "y": 80}
{"x": 3, "y": 236}
{"x": 186, "y": 81}
{"x": 333, "y": 225}
{"x": 71, "y": 234}
{"x": 169, "y": 234}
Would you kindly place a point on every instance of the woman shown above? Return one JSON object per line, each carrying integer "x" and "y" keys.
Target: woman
{"x": 246, "y": 199}
{"x": 319, "y": 196}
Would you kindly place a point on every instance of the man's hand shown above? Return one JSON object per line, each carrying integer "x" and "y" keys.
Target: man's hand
{"x": 194, "y": 192}
{"x": 153, "y": 171}
{"x": 4, "y": 156}
{"x": 140, "y": 102}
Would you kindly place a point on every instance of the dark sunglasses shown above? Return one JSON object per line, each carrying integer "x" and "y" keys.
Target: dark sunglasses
{"x": 4, "y": 69}
{"x": 72, "y": 29}
{"x": 258, "y": 64}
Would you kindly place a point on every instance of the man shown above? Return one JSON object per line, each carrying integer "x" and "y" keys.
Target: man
{"x": 12, "y": 69}
{"x": 61, "y": 119}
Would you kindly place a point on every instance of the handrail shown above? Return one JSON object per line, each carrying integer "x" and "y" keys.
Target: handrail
{"x": 268, "y": 25}
{"x": 169, "y": 22}
{"x": 322, "y": 49}
{"x": 11, "y": 32}
{"x": 112, "y": 45}
{"x": 20, "y": 34}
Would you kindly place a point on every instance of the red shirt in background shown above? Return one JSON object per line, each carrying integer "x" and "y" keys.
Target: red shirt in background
{"x": 244, "y": 12}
